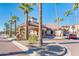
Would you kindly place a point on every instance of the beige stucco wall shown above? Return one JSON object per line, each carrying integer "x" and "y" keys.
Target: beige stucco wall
{"x": 76, "y": 28}
{"x": 59, "y": 33}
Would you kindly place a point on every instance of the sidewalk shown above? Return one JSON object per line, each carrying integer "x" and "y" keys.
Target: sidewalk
{"x": 72, "y": 45}
{"x": 7, "y": 48}
{"x": 54, "y": 47}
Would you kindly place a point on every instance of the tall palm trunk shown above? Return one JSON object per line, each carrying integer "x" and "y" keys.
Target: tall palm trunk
{"x": 10, "y": 28}
{"x": 58, "y": 23}
{"x": 15, "y": 27}
{"x": 6, "y": 30}
{"x": 67, "y": 21}
{"x": 26, "y": 28}
{"x": 56, "y": 13}
{"x": 56, "y": 10}
{"x": 76, "y": 17}
{"x": 40, "y": 24}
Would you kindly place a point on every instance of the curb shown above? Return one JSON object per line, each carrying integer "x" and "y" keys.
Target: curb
{"x": 20, "y": 46}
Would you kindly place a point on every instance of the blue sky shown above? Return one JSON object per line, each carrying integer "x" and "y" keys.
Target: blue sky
{"x": 49, "y": 14}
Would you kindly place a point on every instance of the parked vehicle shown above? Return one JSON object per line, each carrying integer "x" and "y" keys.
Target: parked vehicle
{"x": 72, "y": 36}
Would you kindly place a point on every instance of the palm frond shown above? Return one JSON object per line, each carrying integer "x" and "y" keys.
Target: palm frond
{"x": 58, "y": 19}
{"x": 26, "y": 7}
{"x": 21, "y": 7}
{"x": 68, "y": 12}
{"x": 25, "y": 4}
{"x": 30, "y": 9}
{"x": 14, "y": 18}
{"x": 6, "y": 24}
{"x": 75, "y": 6}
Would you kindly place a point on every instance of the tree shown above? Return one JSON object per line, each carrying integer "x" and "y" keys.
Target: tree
{"x": 40, "y": 24}
{"x": 56, "y": 11}
{"x": 27, "y": 8}
{"x": 75, "y": 7}
{"x": 10, "y": 32}
{"x": 58, "y": 20}
{"x": 6, "y": 27}
{"x": 14, "y": 19}
{"x": 67, "y": 13}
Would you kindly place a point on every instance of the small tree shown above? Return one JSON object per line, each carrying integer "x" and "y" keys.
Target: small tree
{"x": 32, "y": 39}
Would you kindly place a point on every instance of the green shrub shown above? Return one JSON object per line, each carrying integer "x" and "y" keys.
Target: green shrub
{"x": 32, "y": 39}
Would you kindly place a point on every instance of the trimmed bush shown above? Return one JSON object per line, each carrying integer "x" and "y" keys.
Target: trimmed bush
{"x": 32, "y": 39}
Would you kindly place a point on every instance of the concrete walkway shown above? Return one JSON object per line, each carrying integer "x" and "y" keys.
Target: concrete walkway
{"x": 7, "y": 48}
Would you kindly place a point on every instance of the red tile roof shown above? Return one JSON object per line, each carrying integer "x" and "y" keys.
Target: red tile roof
{"x": 52, "y": 26}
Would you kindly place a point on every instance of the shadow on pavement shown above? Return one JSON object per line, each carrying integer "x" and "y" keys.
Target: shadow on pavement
{"x": 68, "y": 42}
{"x": 53, "y": 50}
{"x": 49, "y": 37}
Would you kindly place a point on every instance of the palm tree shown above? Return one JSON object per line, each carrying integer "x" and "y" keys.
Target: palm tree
{"x": 15, "y": 18}
{"x": 6, "y": 27}
{"x": 40, "y": 24}
{"x": 27, "y": 8}
{"x": 58, "y": 20}
{"x": 67, "y": 13}
{"x": 75, "y": 7}
{"x": 10, "y": 32}
{"x": 56, "y": 11}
